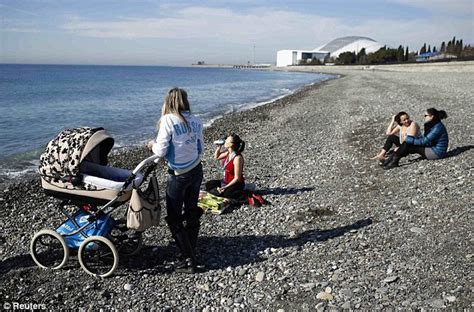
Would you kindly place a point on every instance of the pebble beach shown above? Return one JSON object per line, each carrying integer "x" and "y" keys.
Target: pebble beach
{"x": 338, "y": 232}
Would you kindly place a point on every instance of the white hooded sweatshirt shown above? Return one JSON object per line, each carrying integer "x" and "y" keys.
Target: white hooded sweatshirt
{"x": 182, "y": 147}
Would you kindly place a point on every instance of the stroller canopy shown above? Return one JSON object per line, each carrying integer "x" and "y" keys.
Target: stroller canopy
{"x": 64, "y": 154}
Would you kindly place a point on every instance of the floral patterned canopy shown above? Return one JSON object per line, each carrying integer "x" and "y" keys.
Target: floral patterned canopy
{"x": 64, "y": 154}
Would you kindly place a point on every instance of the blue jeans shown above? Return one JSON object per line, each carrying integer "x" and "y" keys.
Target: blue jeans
{"x": 183, "y": 190}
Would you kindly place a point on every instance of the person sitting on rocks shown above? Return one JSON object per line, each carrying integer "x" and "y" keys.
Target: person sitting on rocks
{"x": 230, "y": 155}
{"x": 399, "y": 127}
{"x": 432, "y": 145}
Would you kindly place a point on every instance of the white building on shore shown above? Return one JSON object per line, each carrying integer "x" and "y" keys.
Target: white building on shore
{"x": 294, "y": 57}
{"x": 331, "y": 49}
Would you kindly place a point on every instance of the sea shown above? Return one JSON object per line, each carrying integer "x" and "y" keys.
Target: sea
{"x": 39, "y": 101}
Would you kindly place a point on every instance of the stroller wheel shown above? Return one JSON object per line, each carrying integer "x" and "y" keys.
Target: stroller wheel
{"x": 49, "y": 250}
{"x": 98, "y": 256}
{"x": 128, "y": 243}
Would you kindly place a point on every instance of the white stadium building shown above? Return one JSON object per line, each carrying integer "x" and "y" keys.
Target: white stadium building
{"x": 330, "y": 49}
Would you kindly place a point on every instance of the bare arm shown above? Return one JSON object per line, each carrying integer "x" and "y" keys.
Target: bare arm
{"x": 394, "y": 131}
{"x": 220, "y": 153}
{"x": 392, "y": 127}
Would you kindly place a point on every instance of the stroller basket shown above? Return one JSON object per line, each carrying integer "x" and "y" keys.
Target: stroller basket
{"x": 101, "y": 226}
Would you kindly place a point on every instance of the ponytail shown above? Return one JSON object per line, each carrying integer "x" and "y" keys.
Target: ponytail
{"x": 242, "y": 147}
{"x": 437, "y": 114}
{"x": 442, "y": 114}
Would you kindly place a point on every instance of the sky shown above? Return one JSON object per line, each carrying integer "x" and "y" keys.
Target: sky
{"x": 146, "y": 32}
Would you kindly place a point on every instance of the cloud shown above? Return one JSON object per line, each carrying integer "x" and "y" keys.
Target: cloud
{"x": 177, "y": 34}
{"x": 7, "y": 7}
{"x": 19, "y": 26}
{"x": 274, "y": 27}
{"x": 198, "y": 22}
{"x": 21, "y": 30}
{"x": 416, "y": 32}
{"x": 453, "y": 6}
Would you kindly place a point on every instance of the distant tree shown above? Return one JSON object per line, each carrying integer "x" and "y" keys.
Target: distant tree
{"x": 400, "y": 55}
{"x": 361, "y": 57}
{"x": 434, "y": 49}
{"x": 383, "y": 56}
{"x": 452, "y": 46}
{"x": 311, "y": 61}
{"x": 467, "y": 52}
{"x": 458, "y": 47}
{"x": 449, "y": 47}
{"x": 423, "y": 49}
{"x": 429, "y": 49}
{"x": 315, "y": 61}
{"x": 412, "y": 57}
{"x": 346, "y": 58}
{"x": 443, "y": 47}
{"x": 406, "y": 54}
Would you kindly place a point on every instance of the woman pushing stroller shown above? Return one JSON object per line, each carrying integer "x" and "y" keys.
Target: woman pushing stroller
{"x": 180, "y": 142}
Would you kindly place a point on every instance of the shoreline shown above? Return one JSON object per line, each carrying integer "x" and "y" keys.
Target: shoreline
{"x": 27, "y": 174}
{"x": 438, "y": 67}
{"x": 339, "y": 232}
{"x": 450, "y": 66}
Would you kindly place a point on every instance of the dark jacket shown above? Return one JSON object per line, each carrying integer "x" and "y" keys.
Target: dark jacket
{"x": 435, "y": 137}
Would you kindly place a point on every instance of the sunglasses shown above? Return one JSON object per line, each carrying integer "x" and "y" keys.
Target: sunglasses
{"x": 426, "y": 115}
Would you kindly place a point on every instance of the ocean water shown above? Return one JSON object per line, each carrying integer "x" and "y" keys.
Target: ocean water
{"x": 38, "y": 101}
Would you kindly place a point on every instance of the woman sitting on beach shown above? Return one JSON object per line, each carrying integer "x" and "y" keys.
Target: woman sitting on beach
{"x": 399, "y": 128}
{"x": 230, "y": 155}
{"x": 432, "y": 145}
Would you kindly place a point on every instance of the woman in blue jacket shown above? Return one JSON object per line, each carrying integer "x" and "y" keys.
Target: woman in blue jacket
{"x": 432, "y": 145}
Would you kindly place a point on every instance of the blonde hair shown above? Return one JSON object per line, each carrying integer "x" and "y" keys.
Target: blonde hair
{"x": 175, "y": 103}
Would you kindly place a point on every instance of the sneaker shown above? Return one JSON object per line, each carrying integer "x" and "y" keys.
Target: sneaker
{"x": 387, "y": 160}
{"x": 392, "y": 164}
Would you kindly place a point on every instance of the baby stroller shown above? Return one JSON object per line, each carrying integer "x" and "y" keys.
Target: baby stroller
{"x": 74, "y": 169}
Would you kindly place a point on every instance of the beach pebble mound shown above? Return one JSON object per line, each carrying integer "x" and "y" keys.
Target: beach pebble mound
{"x": 338, "y": 232}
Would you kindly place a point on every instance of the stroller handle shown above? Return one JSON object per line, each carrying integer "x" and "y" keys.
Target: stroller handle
{"x": 143, "y": 163}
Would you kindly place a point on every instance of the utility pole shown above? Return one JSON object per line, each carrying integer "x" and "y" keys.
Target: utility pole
{"x": 254, "y": 54}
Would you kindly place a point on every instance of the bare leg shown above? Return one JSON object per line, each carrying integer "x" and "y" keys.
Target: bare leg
{"x": 380, "y": 156}
{"x": 389, "y": 142}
